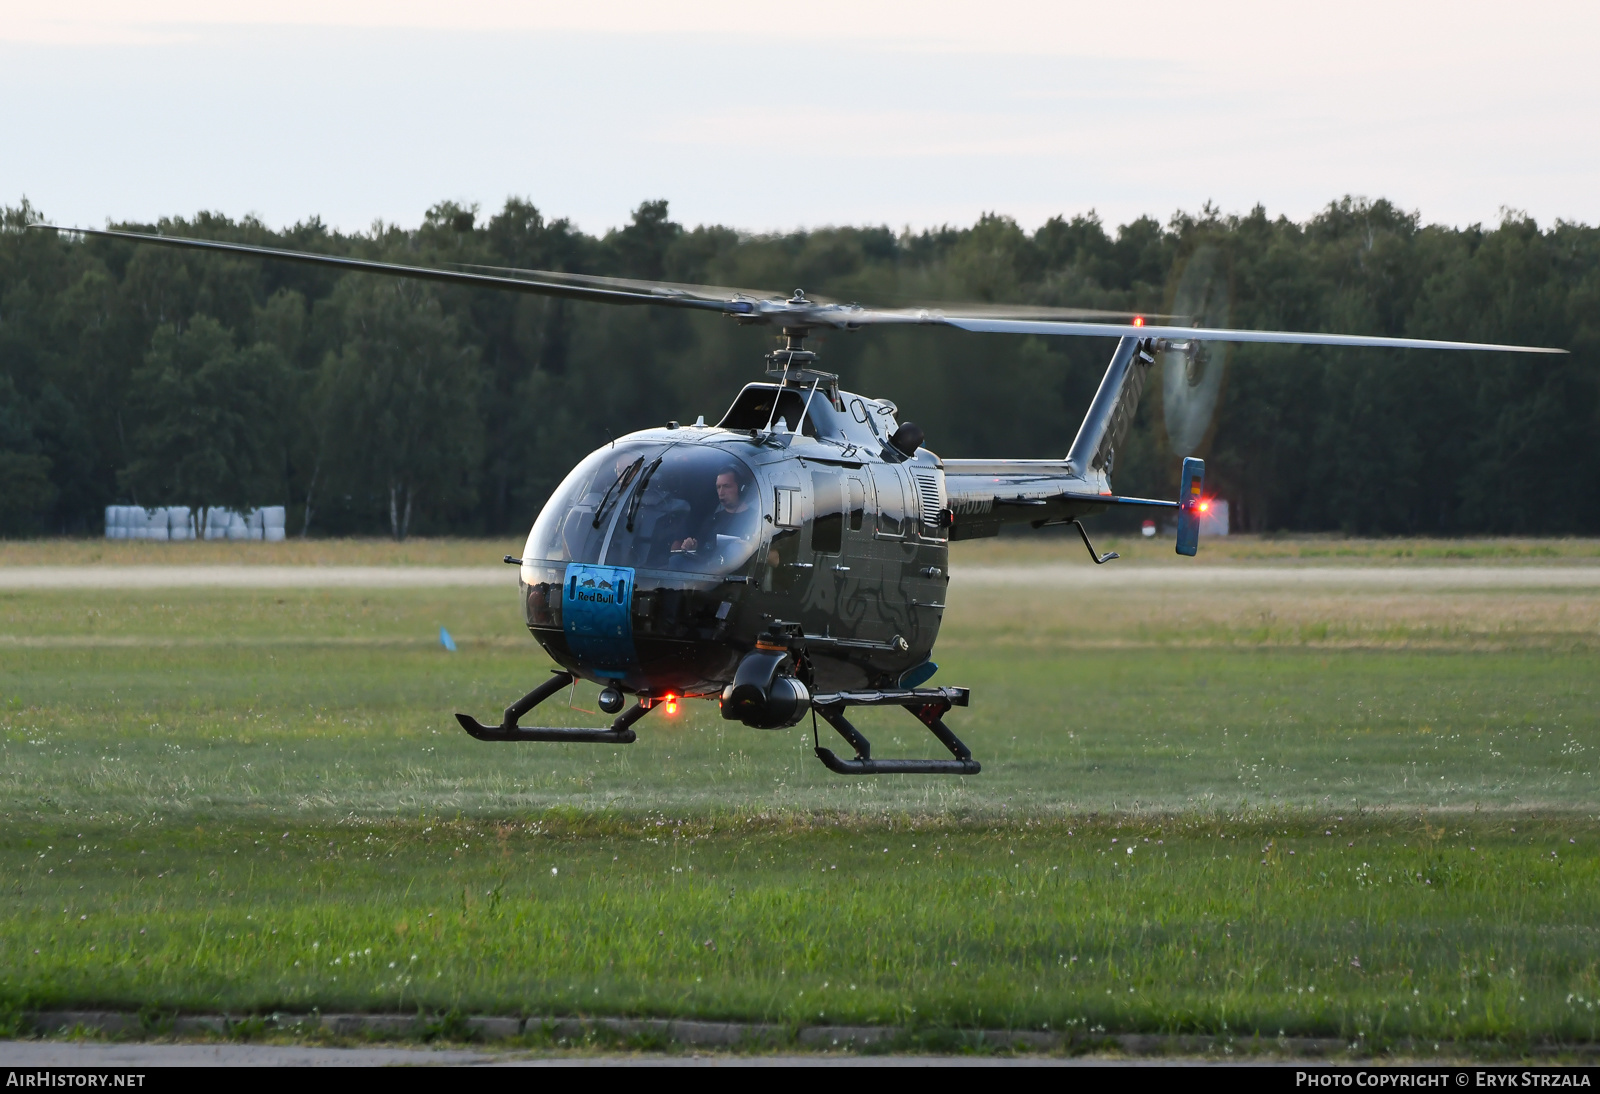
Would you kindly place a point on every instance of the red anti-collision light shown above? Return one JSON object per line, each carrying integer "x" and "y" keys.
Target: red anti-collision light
{"x": 1138, "y": 320}
{"x": 672, "y": 704}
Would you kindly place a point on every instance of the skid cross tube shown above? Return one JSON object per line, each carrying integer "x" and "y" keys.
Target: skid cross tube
{"x": 928, "y": 705}
{"x": 620, "y": 733}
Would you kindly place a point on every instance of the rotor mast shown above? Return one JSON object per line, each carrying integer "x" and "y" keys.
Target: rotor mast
{"x": 795, "y": 366}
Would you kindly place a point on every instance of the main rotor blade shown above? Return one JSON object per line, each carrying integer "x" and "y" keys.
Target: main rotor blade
{"x": 821, "y": 310}
{"x": 797, "y": 312}
{"x": 1208, "y": 334}
{"x": 856, "y": 316}
{"x": 660, "y": 288}
{"x": 425, "y": 273}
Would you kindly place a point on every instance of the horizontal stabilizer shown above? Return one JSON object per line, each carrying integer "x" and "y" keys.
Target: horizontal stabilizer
{"x": 1115, "y": 499}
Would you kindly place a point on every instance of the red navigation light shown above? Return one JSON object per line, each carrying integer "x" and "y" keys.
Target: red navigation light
{"x": 1138, "y": 320}
{"x": 672, "y": 703}
{"x": 1205, "y": 505}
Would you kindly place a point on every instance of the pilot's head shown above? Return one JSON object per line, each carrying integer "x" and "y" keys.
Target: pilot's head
{"x": 729, "y": 489}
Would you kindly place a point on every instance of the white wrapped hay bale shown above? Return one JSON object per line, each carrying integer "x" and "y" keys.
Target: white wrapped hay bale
{"x": 155, "y": 524}
{"x": 274, "y": 523}
{"x": 238, "y": 526}
{"x": 217, "y": 522}
{"x": 179, "y": 524}
{"x": 253, "y": 521}
{"x": 138, "y": 522}
{"x": 113, "y": 517}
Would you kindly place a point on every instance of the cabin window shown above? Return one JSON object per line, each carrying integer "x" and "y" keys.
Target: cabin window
{"x": 827, "y": 522}
{"x": 781, "y": 574}
{"x": 858, "y": 503}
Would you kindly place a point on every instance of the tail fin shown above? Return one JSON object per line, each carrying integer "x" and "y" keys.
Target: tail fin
{"x": 1110, "y": 415}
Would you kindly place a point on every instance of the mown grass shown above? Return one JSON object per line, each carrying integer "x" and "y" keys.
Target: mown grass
{"x": 210, "y": 767}
{"x": 220, "y": 704}
{"x": 1468, "y": 929}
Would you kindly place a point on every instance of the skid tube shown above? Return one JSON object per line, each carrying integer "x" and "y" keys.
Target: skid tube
{"x": 927, "y": 705}
{"x": 620, "y": 733}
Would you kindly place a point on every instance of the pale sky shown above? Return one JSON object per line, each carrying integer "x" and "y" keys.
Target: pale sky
{"x": 766, "y": 117}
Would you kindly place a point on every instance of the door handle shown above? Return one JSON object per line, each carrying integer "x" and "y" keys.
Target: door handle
{"x": 841, "y": 569}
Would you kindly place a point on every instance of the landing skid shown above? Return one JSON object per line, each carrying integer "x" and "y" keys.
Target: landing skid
{"x": 620, "y": 732}
{"x": 928, "y": 705}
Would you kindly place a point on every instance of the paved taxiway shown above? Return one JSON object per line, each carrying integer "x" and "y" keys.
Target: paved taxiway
{"x": 134, "y": 1055}
{"x": 1075, "y": 575}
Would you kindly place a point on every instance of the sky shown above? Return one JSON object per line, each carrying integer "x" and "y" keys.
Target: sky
{"x": 769, "y": 117}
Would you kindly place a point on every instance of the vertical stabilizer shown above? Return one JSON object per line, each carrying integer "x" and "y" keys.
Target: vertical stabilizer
{"x": 1110, "y": 416}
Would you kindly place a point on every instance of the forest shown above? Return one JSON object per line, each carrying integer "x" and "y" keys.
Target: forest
{"x": 132, "y": 374}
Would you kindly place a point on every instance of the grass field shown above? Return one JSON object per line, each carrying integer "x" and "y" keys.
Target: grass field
{"x": 1349, "y": 810}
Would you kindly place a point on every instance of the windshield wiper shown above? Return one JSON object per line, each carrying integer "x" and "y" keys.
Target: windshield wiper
{"x": 621, "y": 480}
{"x": 638, "y": 495}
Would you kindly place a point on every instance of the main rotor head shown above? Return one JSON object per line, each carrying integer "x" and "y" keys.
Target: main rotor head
{"x": 795, "y": 366}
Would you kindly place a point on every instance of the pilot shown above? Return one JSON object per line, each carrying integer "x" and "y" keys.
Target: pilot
{"x": 733, "y": 516}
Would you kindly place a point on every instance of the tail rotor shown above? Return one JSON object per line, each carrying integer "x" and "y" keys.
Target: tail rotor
{"x": 1193, "y": 370}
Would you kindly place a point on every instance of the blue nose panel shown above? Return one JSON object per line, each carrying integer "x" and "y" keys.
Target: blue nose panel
{"x": 597, "y": 616}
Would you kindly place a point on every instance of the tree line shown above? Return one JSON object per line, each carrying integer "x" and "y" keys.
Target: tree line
{"x": 141, "y": 375}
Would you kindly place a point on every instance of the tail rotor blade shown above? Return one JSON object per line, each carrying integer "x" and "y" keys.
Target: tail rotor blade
{"x": 1192, "y": 372}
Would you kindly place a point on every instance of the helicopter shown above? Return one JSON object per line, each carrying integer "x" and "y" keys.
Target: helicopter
{"x": 793, "y": 556}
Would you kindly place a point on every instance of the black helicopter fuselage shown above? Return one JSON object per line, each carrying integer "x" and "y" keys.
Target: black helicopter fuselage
{"x": 638, "y": 575}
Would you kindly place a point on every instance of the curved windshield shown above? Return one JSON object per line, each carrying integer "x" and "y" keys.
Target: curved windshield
{"x": 652, "y": 506}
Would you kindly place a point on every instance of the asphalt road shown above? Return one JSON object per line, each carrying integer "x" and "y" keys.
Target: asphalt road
{"x": 1078, "y": 575}
{"x": 134, "y": 1055}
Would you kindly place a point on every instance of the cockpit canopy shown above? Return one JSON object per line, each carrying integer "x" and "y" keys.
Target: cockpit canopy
{"x": 649, "y": 505}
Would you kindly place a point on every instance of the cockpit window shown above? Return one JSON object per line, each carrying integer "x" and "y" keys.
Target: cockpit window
{"x": 666, "y": 507}
{"x": 753, "y": 409}
{"x": 576, "y": 520}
